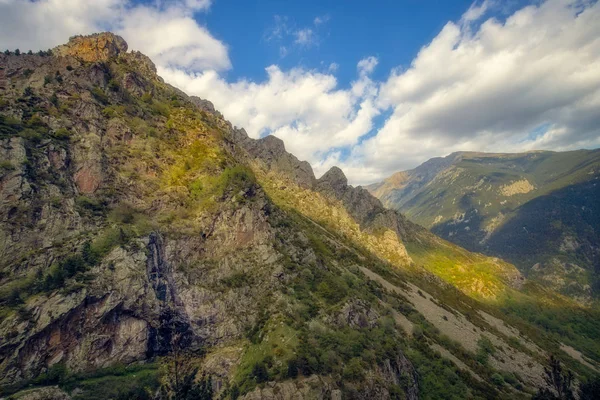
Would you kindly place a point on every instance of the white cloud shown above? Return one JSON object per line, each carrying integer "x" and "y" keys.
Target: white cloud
{"x": 305, "y": 37}
{"x": 166, "y": 32}
{"x": 288, "y": 35}
{"x": 319, "y": 20}
{"x": 476, "y": 11}
{"x": 279, "y": 30}
{"x": 198, "y": 4}
{"x": 488, "y": 90}
{"x": 173, "y": 37}
{"x": 367, "y": 65}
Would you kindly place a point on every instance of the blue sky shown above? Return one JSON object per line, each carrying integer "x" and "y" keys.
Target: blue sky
{"x": 370, "y": 87}
{"x": 393, "y": 31}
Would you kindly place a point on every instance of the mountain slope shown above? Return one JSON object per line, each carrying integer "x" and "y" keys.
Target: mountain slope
{"x": 145, "y": 241}
{"x": 538, "y": 210}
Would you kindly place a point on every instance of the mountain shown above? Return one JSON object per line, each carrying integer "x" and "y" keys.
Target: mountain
{"x": 151, "y": 250}
{"x": 538, "y": 210}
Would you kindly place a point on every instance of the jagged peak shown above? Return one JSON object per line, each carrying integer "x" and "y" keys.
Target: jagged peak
{"x": 273, "y": 144}
{"x": 92, "y": 48}
{"x": 203, "y": 104}
{"x": 334, "y": 176}
{"x": 334, "y": 180}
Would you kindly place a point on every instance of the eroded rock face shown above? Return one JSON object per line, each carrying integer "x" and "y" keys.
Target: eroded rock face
{"x": 271, "y": 150}
{"x": 365, "y": 208}
{"x": 93, "y": 48}
{"x": 311, "y": 388}
{"x": 334, "y": 181}
{"x": 356, "y": 314}
{"x": 45, "y": 393}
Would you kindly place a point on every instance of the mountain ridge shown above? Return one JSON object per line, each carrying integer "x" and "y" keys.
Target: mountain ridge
{"x": 468, "y": 197}
{"x": 163, "y": 236}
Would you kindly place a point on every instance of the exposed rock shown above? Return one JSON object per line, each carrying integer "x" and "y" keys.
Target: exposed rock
{"x": 333, "y": 180}
{"x": 519, "y": 187}
{"x": 357, "y": 314}
{"x": 271, "y": 151}
{"x": 44, "y": 393}
{"x": 311, "y": 388}
{"x": 93, "y": 48}
{"x": 203, "y": 105}
{"x": 87, "y": 179}
{"x": 142, "y": 63}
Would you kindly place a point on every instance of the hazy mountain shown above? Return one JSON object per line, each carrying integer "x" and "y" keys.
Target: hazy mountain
{"x": 148, "y": 249}
{"x": 538, "y": 210}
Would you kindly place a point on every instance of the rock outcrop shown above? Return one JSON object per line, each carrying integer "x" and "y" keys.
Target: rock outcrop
{"x": 93, "y": 48}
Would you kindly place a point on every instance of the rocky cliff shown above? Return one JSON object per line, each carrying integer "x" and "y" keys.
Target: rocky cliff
{"x": 150, "y": 249}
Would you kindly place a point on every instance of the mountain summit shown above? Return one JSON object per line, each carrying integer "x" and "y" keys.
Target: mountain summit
{"x": 149, "y": 249}
{"x": 99, "y": 47}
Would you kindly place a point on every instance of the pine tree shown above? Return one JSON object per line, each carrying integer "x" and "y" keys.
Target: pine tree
{"x": 559, "y": 383}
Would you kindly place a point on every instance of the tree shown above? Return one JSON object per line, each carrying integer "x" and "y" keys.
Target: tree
{"x": 17, "y": 52}
{"x": 260, "y": 373}
{"x": 590, "y": 390}
{"x": 14, "y": 298}
{"x": 559, "y": 383}
{"x": 181, "y": 371}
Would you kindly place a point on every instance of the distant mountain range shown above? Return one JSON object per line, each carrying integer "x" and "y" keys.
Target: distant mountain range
{"x": 538, "y": 210}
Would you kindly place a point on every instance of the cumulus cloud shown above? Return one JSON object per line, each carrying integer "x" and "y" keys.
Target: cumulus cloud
{"x": 367, "y": 65}
{"x": 165, "y": 31}
{"x": 172, "y": 37}
{"x": 530, "y": 82}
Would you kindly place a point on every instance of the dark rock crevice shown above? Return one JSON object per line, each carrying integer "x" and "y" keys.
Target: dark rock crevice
{"x": 173, "y": 329}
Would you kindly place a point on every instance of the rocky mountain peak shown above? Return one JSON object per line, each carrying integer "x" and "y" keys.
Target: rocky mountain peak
{"x": 92, "y": 48}
{"x": 273, "y": 145}
{"x": 334, "y": 179}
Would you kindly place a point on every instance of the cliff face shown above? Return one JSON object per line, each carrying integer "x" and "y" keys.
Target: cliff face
{"x": 142, "y": 236}
{"x": 133, "y": 230}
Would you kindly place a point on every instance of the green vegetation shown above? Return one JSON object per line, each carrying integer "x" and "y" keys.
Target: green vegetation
{"x": 439, "y": 378}
{"x": 590, "y": 390}
{"x": 9, "y": 126}
{"x": 117, "y": 382}
{"x": 5, "y": 166}
{"x": 99, "y": 95}
{"x": 572, "y": 325}
{"x": 485, "y": 349}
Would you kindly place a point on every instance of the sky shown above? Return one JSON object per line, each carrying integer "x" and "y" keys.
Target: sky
{"x": 373, "y": 88}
